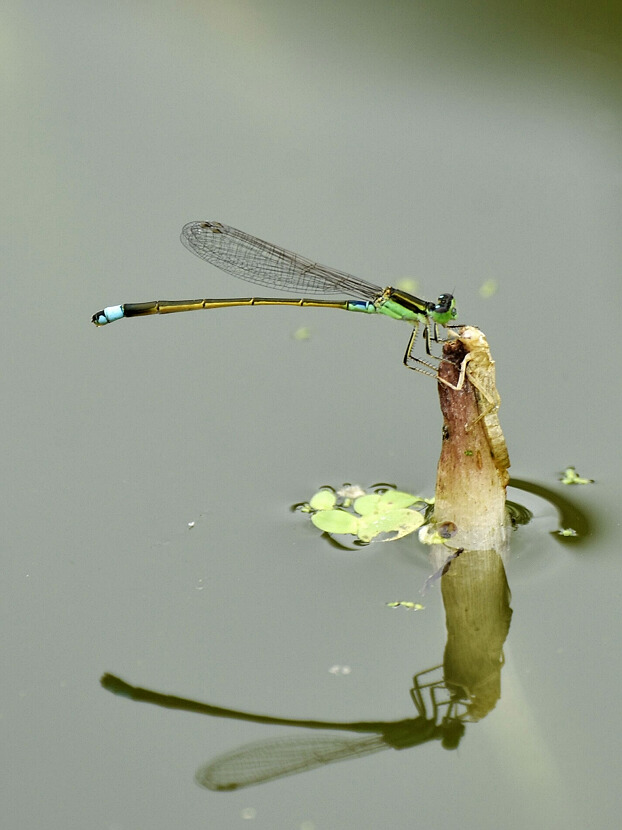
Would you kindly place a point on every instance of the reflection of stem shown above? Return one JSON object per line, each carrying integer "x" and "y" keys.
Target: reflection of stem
{"x": 476, "y": 597}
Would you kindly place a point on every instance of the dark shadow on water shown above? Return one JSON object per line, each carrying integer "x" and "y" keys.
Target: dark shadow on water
{"x": 442, "y": 719}
{"x": 569, "y": 513}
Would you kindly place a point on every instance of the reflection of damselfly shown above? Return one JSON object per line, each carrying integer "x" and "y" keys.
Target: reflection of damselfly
{"x": 277, "y": 757}
{"x": 259, "y": 262}
{"x": 273, "y": 758}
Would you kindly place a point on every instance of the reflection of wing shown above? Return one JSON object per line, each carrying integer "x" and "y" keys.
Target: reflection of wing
{"x": 254, "y": 260}
{"x": 276, "y": 757}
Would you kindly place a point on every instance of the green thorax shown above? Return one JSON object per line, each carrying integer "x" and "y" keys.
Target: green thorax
{"x": 399, "y": 305}
{"x": 403, "y": 306}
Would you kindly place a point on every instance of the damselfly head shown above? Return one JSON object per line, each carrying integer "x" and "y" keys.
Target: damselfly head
{"x": 443, "y": 310}
{"x": 445, "y": 304}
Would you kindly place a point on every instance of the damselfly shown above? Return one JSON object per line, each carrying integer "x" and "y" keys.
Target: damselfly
{"x": 259, "y": 262}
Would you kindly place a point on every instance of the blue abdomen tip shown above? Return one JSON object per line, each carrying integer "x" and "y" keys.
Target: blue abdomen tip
{"x": 108, "y": 315}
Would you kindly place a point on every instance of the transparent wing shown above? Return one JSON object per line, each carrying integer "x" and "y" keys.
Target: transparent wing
{"x": 276, "y": 757}
{"x": 254, "y": 260}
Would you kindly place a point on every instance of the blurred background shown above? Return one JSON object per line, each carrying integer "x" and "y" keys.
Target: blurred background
{"x": 449, "y": 143}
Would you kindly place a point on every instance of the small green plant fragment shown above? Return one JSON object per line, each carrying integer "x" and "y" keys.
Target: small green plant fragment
{"x": 488, "y": 288}
{"x": 411, "y": 606}
{"x": 567, "y": 531}
{"x": 408, "y": 284}
{"x": 302, "y": 333}
{"x": 323, "y": 500}
{"x": 570, "y": 476}
{"x": 335, "y": 521}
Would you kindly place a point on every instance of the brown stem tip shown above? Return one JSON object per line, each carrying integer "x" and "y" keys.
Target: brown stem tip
{"x": 472, "y": 470}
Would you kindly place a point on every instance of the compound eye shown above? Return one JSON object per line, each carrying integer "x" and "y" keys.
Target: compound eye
{"x": 443, "y": 303}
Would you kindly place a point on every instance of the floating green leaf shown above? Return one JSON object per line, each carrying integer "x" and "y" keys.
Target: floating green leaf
{"x": 398, "y": 522}
{"x": 323, "y": 500}
{"x": 367, "y": 505}
{"x": 397, "y": 499}
{"x": 386, "y": 513}
{"x": 335, "y": 521}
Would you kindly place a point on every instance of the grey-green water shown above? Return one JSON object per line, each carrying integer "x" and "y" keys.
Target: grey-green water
{"x": 410, "y": 140}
